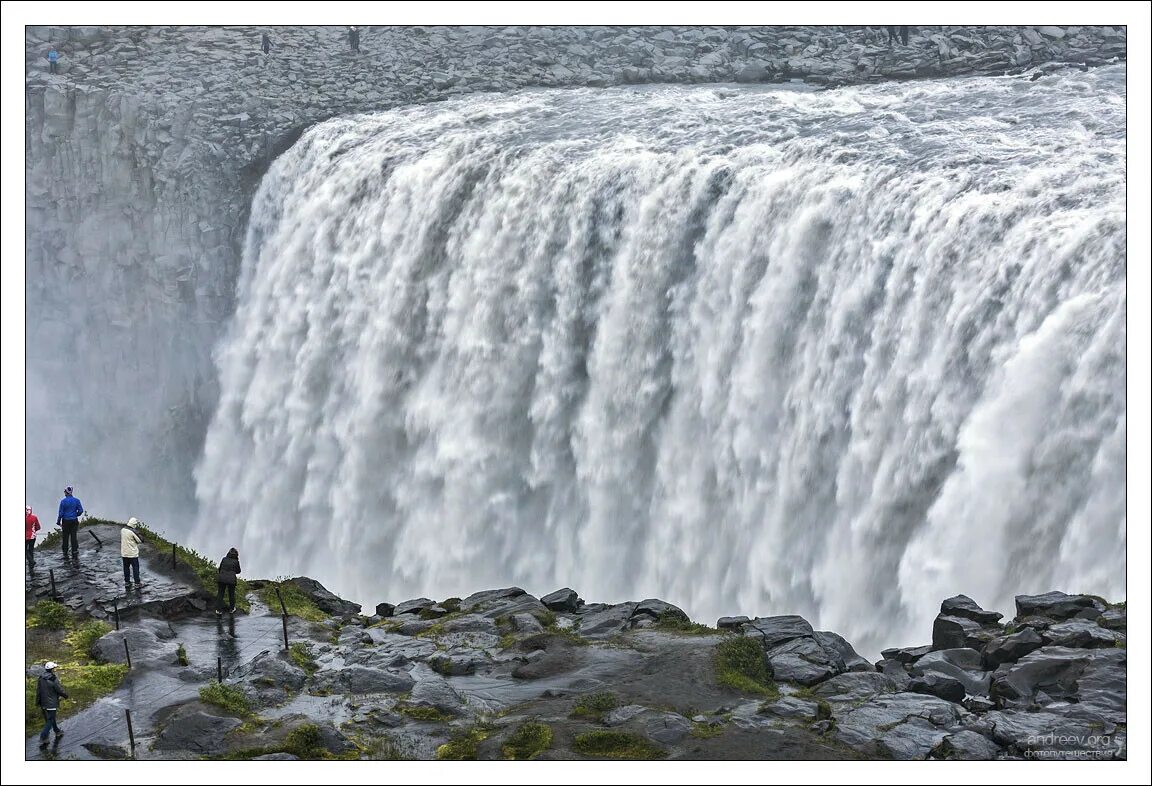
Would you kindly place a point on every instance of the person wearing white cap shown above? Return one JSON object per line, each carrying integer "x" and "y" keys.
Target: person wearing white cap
{"x": 130, "y": 551}
{"x": 49, "y": 691}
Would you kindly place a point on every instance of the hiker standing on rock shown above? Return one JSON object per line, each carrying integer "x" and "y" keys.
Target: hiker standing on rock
{"x": 68, "y": 519}
{"x": 53, "y": 56}
{"x": 265, "y": 42}
{"x": 49, "y": 691}
{"x": 226, "y": 578}
{"x": 31, "y": 527}
{"x": 130, "y": 551}
{"x": 354, "y": 38}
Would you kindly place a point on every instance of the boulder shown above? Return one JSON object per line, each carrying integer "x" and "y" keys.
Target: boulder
{"x": 1004, "y": 649}
{"x": 1051, "y": 31}
{"x": 414, "y": 606}
{"x": 953, "y": 632}
{"x": 474, "y": 623}
{"x": 1079, "y": 633}
{"x": 195, "y": 731}
{"x": 1114, "y": 619}
{"x": 622, "y": 715}
{"x": 667, "y": 728}
{"x": 385, "y": 609}
{"x": 963, "y": 665}
{"x": 1055, "y": 670}
{"x": 564, "y": 600}
{"x": 366, "y": 679}
{"x": 978, "y": 704}
{"x": 455, "y": 665}
{"x": 1056, "y": 605}
{"x": 606, "y": 622}
{"x": 967, "y": 746}
{"x": 502, "y": 603}
{"x": 803, "y": 661}
{"x": 326, "y": 601}
{"x": 858, "y": 686}
{"x": 964, "y": 606}
{"x": 145, "y": 643}
{"x": 904, "y": 726}
{"x": 1057, "y": 736}
{"x": 731, "y": 623}
{"x": 434, "y": 691}
{"x": 835, "y": 642}
{"x": 526, "y": 623}
{"x": 905, "y": 654}
{"x": 938, "y": 685}
{"x": 753, "y": 72}
{"x": 792, "y": 707}
{"x": 777, "y": 630}
{"x": 657, "y": 609}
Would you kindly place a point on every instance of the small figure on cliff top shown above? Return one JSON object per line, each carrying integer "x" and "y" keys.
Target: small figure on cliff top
{"x": 49, "y": 691}
{"x": 354, "y": 38}
{"x": 31, "y": 527}
{"x": 53, "y": 56}
{"x": 265, "y": 42}
{"x": 68, "y": 519}
{"x": 226, "y": 579}
{"x": 130, "y": 551}
{"x": 898, "y": 30}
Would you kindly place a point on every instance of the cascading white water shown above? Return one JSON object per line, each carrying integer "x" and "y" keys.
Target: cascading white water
{"x": 753, "y": 351}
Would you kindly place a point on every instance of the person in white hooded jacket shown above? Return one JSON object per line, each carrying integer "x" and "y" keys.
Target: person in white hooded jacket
{"x": 130, "y": 551}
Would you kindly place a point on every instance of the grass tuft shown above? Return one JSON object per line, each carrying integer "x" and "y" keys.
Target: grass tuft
{"x": 463, "y": 746}
{"x": 616, "y": 745}
{"x": 528, "y": 741}
{"x": 739, "y": 664}
{"x": 228, "y": 697}
{"x": 594, "y": 706}
{"x": 295, "y": 600}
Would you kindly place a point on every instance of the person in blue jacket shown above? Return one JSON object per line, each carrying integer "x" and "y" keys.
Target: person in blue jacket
{"x": 53, "y": 56}
{"x": 68, "y": 519}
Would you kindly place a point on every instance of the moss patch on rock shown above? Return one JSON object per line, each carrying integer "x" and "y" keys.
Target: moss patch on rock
{"x": 529, "y": 740}
{"x": 616, "y": 745}
{"x": 739, "y": 664}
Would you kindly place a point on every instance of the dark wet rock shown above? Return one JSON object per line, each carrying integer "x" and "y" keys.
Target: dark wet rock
{"x": 148, "y": 641}
{"x": 276, "y": 757}
{"x": 414, "y": 606}
{"x": 953, "y": 632}
{"x": 412, "y": 626}
{"x": 499, "y": 603}
{"x": 326, "y": 601}
{"x": 190, "y": 604}
{"x": 667, "y": 728}
{"x": 526, "y": 623}
{"x": 962, "y": 664}
{"x": 107, "y": 752}
{"x": 196, "y": 731}
{"x": 967, "y": 746}
{"x": 431, "y": 690}
{"x": 903, "y": 726}
{"x": 1114, "y": 619}
{"x": 803, "y": 661}
{"x": 858, "y": 686}
{"x": 978, "y": 703}
{"x": 964, "y": 606}
{"x": 621, "y": 715}
{"x": 657, "y": 609}
{"x": 470, "y": 623}
{"x": 773, "y": 631}
{"x": 1060, "y": 673}
{"x": 562, "y": 600}
{"x": 731, "y": 623}
{"x": 835, "y": 642}
{"x": 385, "y": 609}
{"x": 792, "y": 707}
{"x": 606, "y": 622}
{"x": 1023, "y": 732}
{"x": 1004, "y": 649}
{"x": 938, "y": 685}
{"x": 1079, "y": 633}
{"x": 1056, "y": 605}
{"x": 364, "y": 679}
{"x": 479, "y": 600}
{"x": 905, "y": 654}
{"x": 456, "y": 665}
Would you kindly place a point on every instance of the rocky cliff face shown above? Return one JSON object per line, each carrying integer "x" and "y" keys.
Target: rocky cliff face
{"x": 502, "y": 674}
{"x": 144, "y": 151}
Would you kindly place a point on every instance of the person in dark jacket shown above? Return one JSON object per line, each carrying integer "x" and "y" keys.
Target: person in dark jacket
{"x": 354, "y": 38}
{"x": 31, "y": 527}
{"x": 49, "y": 691}
{"x": 68, "y": 519}
{"x": 226, "y": 579}
{"x": 266, "y": 42}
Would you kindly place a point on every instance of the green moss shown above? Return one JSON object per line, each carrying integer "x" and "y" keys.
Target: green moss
{"x": 227, "y": 697}
{"x": 616, "y": 745}
{"x": 305, "y": 741}
{"x": 451, "y": 604}
{"x": 297, "y": 603}
{"x": 421, "y": 712}
{"x": 678, "y": 623}
{"x": 462, "y": 747}
{"x": 546, "y": 618}
{"x": 83, "y": 639}
{"x": 507, "y": 640}
{"x": 49, "y": 614}
{"x": 182, "y": 655}
{"x": 739, "y": 664}
{"x": 301, "y": 654}
{"x": 85, "y": 683}
{"x": 705, "y": 731}
{"x": 530, "y": 739}
{"x": 594, "y": 706}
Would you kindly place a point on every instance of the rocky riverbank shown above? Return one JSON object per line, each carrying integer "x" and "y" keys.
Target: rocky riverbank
{"x": 145, "y": 149}
{"x": 501, "y": 674}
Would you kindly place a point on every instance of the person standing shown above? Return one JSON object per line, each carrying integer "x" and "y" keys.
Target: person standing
{"x": 53, "y": 56}
{"x": 68, "y": 519}
{"x": 130, "y": 551}
{"x": 49, "y": 691}
{"x": 265, "y": 42}
{"x": 31, "y": 527}
{"x": 226, "y": 579}
{"x": 354, "y": 38}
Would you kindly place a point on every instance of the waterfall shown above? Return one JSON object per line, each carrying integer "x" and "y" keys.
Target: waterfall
{"x": 749, "y": 350}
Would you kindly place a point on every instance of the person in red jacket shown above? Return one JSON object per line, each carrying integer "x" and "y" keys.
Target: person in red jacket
{"x": 31, "y": 527}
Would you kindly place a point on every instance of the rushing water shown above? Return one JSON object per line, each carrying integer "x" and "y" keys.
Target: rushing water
{"x": 752, "y": 351}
